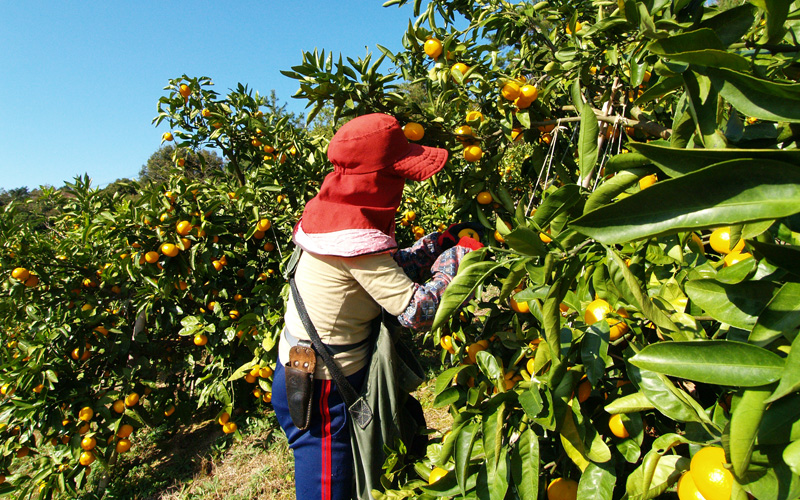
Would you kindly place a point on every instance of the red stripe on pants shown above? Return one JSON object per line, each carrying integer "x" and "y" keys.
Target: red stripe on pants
{"x": 325, "y": 437}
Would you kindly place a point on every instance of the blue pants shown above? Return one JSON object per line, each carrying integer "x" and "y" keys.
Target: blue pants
{"x": 323, "y": 460}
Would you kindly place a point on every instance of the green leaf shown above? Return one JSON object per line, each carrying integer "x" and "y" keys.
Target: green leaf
{"x": 572, "y": 441}
{"x": 678, "y": 161}
{"x": 525, "y": 241}
{"x": 655, "y": 475}
{"x": 780, "y": 316}
{"x": 781, "y": 422}
{"x": 787, "y": 257}
{"x": 720, "y": 362}
{"x": 611, "y": 188}
{"x": 463, "y": 452}
{"x": 445, "y": 379}
{"x": 731, "y": 192}
{"x": 712, "y": 58}
{"x": 732, "y": 24}
{"x": 776, "y": 482}
{"x": 762, "y": 99}
{"x": 745, "y": 422}
{"x": 525, "y": 464}
{"x": 662, "y": 393}
{"x": 587, "y": 141}
{"x": 597, "y": 481}
{"x": 643, "y": 301}
{"x": 694, "y": 40}
{"x": 556, "y": 203}
{"x": 594, "y": 351}
{"x": 631, "y": 403}
{"x": 790, "y": 380}
{"x": 461, "y": 288}
{"x": 737, "y": 304}
{"x": 791, "y": 455}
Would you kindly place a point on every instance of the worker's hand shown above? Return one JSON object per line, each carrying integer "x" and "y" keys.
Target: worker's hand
{"x": 450, "y": 237}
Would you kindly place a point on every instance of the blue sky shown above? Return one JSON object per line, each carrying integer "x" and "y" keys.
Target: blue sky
{"x": 81, "y": 80}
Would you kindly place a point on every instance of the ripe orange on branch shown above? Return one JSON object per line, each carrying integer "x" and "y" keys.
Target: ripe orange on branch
{"x": 433, "y": 48}
{"x": 413, "y": 131}
{"x": 713, "y": 480}
{"x": 720, "y": 241}
{"x": 598, "y": 309}
{"x": 473, "y": 153}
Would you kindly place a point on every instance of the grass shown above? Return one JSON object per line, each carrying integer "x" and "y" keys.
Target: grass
{"x": 200, "y": 462}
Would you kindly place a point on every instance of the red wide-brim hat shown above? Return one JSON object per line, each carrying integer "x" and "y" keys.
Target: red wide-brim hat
{"x": 354, "y": 212}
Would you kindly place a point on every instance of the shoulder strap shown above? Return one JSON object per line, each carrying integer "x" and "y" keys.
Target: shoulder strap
{"x": 345, "y": 389}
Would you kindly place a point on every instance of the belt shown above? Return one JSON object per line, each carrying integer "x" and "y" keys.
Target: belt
{"x": 333, "y": 349}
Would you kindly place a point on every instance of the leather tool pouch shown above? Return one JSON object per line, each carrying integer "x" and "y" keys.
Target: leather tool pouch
{"x": 300, "y": 383}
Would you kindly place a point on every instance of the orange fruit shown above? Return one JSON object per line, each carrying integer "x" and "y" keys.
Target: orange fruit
{"x": 123, "y": 445}
{"x": 85, "y": 414}
{"x": 169, "y": 411}
{"x": 265, "y": 372}
{"x": 263, "y": 225}
{"x": 124, "y": 431}
{"x": 460, "y": 67}
{"x": 617, "y": 427}
{"x": 269, "y": 246}
{"x": 185, "y": 91}
{"x": 119, "y": 406}
{"x": 464, "y": 132}
{"x": 545, "y": 238}
{"x": 32, "y": 281}
{"x": 131, "y": 399}
{"x": 473, "y": 350}
{"x": 217, "y": 265}
{"x": 474, "y": 115}
{"x": 223, "y": 419}
{"x": 447, "y": 344}
{"x": 473, "y": 153}
{"x": 584, "y": 391}
{"x": 88, "y": 443}
{"x": 578, "y": 27}
{"x": 167, "y": 136}
{"x": 687, "y": 490}
{"x": 599, "y": 309}
{"x": 268, "y": 149}
{"x": 200, "y": 339}
{"x": 267, "y": 398}
{"x": 484, "y": 197}
{"x": 87, "y": 457}
{"x": 169, "y": 250}
{"x": 20, "y": 273}
{"x": 413, "y": 131}
{"x": 510, "y": 91}
{"x": 437, "y": 474}
{"x": 720, "y": 241}
{"x": 712, "y": 479}
{"x": 647, "y": 181}
{"x": 734, "y": 257}
{"x": 520, "y": 307}
{"x": 433, "y": 48}
{"x": 151, "y": 257}
{"x": 562, "y": 489}
{"x": 183, "y": 227}
{"x": 699, "y": 242}
{"x": 229, "y": 428}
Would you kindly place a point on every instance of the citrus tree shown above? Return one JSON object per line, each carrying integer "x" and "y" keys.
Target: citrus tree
{"x": 630, "y": 329}
{"x": 627, "y": 332}
{"x": 124, "y": 311}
